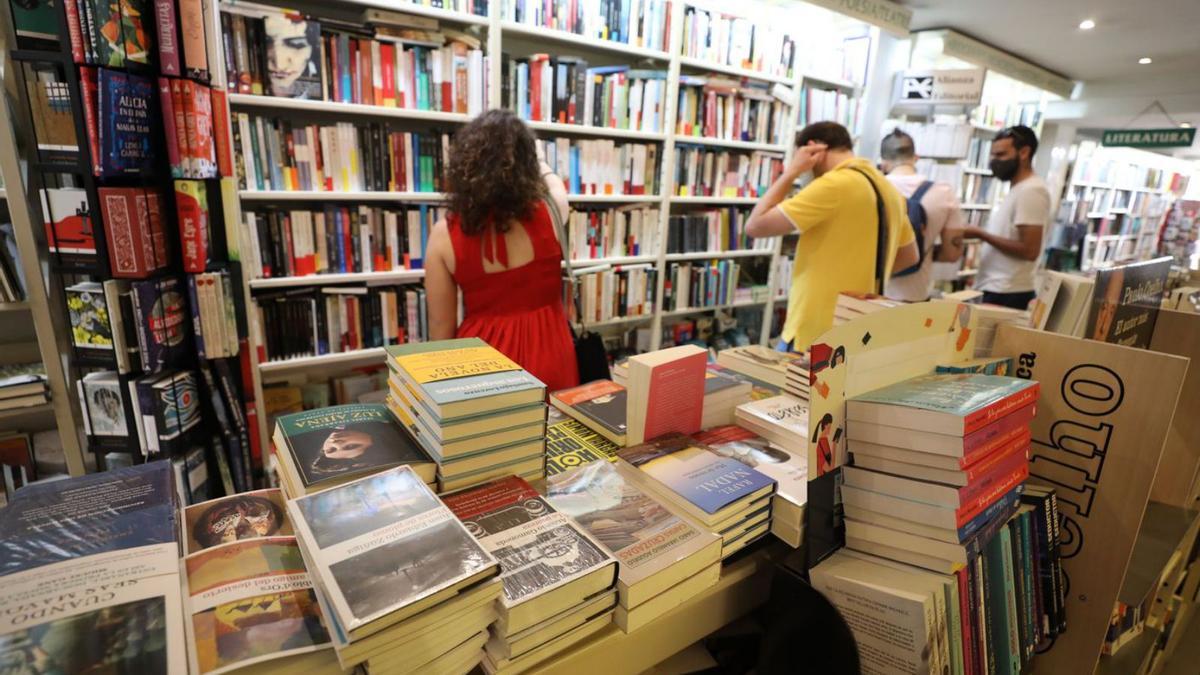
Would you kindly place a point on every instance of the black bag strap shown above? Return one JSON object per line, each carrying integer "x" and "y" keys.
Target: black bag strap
{"x": 881, "y": 237}
{"x": 921, "y": 190}
{"x": 563, "y": 234}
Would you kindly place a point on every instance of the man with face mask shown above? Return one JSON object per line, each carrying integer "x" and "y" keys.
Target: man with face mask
{"x": 1012, "y": 240}
{"x": 837, "y": 217}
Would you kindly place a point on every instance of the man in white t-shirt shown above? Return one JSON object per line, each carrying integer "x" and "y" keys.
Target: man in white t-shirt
{"x": 942, "y": 235}
{"x": 1012, "y": 240}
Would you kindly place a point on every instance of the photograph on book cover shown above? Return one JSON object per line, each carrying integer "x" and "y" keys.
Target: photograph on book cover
{"x": 240, "y": 632}
{"x": 293, "y": 55}
{"x": 1126, "y": 301}
{"x": 336, "y": 516}
{"x": 125, "y": 638}
{"x": 242, "y": 560}
{"x": 874, "y": 351}
{"x": 1098, "y": 436}
{"x": 248, "y": 515}
{"x": 349, "y": 439}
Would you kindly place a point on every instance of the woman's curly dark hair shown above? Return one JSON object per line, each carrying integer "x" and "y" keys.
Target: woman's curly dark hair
{"x": 494, "y": 176}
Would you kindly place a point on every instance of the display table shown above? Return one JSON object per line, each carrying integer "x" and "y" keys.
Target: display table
{"x": 744, "y": 585}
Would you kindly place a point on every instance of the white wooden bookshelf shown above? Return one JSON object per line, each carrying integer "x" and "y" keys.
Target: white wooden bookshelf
{"x": 500, "y": 36}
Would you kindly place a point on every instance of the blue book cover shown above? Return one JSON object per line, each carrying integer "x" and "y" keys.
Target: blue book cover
{"x": 954, "y": 393}
{"x": 161, "y": 321}
{"x": 708, "y": 481}
{"x": 60, "y": 520}
{"x": 126, "y": 118}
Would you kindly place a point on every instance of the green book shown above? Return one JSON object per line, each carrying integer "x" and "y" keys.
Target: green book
{"x": 954, "y": 627}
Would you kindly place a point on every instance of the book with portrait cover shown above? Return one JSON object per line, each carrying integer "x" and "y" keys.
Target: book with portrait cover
{"x": 1125, "y": 302}
{"x": 383, "y": 548}
{"x": 655, "y": 545}
{"x": 126, "y": 122}
{"x": 547, "y": 562}
{"x": 293, "y": 54}
{"x": 327, "y": 446}
{"x": 251, "y": 596}
{"x": 708, "y": 486}
{"x": 600, "y": 405}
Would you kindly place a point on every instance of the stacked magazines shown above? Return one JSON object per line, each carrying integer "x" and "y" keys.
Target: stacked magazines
{"x": 403, "y": 585}
{"x": 476, "y": 412}
{"x": 558, "y": 582}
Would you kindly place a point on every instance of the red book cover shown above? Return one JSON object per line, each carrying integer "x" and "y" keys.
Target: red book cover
{"x": 967, "y": 512}
{"x": 187, "y": 91}
{"x": 181, "y": 133}
{"x": 355, "y": 62}
{"x": 161, "y": 254}
{"x": 981, "y": 444}
{"x": 221, "y": 133}
{"x": 964, "y": 612}
{"x": 168, "y": 45}
{"x": 191, "y": 210}
{"x": 447, "y": 83}
{"x": 73, "y": 31}
{"x": 68, "y": 224}
{"x": 352, "y": 322}
{"x": 347, "y": 242}
{"x": 1002, "y": 466}
{"x": 168, "y": 117}
{"x": 1009, "y": 404}
{"x": 90, "y": 94}
{"x": 335, "y": 60}
{"x": 126, "y": 231}
{"x": 490, "y": 497}
{"x": 535, "y": 86}
{"x": 205, "y": 149}
{"x": 367, "y": 72}
{"x": 387, "y": 56}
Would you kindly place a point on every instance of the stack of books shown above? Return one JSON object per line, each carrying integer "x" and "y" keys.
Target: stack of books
{"x": 724, "y": 391}
{"x": 558, "y": 582}
{"x": 665, "y": 557}
{"x": 939, "y": 466}
{"x": 851, "y": 305}
{"x": 787, "y": 465}
{"x": 989, "y": 317}
{"x": 401, "y": 582}
{"x": 599, "y": 405}
{"x": 318, "y": 449}
{"x": 684, "y": 473}
{"x": 473, "y": 410}
{"x": 783, "y": 420}
{"x": 23, "y": 385}
{"x": 797, "y": 383}
{"x": 760, "y": 363}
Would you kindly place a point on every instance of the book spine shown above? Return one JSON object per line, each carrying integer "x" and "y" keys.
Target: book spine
{"x": 962, "y": 577}
{"x": 968, "y": 511}
{"x": 994, "y": 412}
{"x": 222, "y": 132}
{"x": 194, "y": 302}
{"x": 74, "y": 33}
{"x": 168, "y": 47}
{"x": 168, "y": 118}
{"x": 89, "y": 92}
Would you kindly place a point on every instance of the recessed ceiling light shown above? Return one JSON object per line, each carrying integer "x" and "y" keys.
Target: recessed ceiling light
{"x": 1087, "y": 24}
{"x": 1145, "y": 60}
{"x": 1185, "y": 125}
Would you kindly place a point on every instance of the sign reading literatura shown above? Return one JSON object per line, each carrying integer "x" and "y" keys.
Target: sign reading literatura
{"x": 890, "y": 16}
{"x": 1173, "y": 137}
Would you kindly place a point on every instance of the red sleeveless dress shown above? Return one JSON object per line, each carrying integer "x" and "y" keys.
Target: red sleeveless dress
{"x": 518, "y": 311}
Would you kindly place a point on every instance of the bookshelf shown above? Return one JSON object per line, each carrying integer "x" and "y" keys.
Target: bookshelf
{"x": 499, "y": 33}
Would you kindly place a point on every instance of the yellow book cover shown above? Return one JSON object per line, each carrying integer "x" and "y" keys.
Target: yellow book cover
{"x": 453, "y": 363}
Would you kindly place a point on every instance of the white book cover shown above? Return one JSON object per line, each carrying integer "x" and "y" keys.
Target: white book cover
{"x": 784, "y": 413}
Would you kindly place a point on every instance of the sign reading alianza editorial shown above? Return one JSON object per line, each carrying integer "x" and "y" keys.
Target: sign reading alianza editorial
{"x": 1173, "y": 137}
{"x": 962, "y": 86}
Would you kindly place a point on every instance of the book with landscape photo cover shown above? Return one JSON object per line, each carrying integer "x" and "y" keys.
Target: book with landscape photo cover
{"x": 538, "y": 547}
{"x": 701, "y": 477}
{"x": 336, "y": 443}
{"x": 643, "y": 533}
{"x": 385, "y": 545}
{"x": 250, "y": 596}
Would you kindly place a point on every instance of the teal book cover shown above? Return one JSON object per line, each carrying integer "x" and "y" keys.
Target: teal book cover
{"x": 999, "y": 583}
{"x": 954, "y": 393}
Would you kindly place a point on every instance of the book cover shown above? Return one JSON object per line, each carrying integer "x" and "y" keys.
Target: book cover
{"x": 783, "y": 414}
{"x": 382, "y": 543}
{"x": 167, "y": 37}
{"x": 56, "y": 521}
{"x": 247, "y": 515}
{"x": 293, "y": 56}
{"x": 35, "y": 19}
{"x": 340, "y": 441}
{"x": 599, "y": 404}
{"x": 538, "y": 548}
{"x": 50, "y": 110}
{"x": 191, "y": 475}
{"x": 789, "y": 468}
{"x": 172, "y": 404}
{"x": 666, "y": 392}
{"x": 136, "y": 246}
{"x": 68, "y": 221}
{"x": 102, "y": 405}
{"x": 569, "y": 443}
{"x": 703, "y": 478}
{"x": 976, "y": 399}
{"x": 461, "y": 371}
{"x": 135, "y": 31}
{"x": 91, "y": 328}
{"x": 191, "y": 209}
{"x": 195, "y": 49}
{"x": 643, "y": 533}
{"x": 1125, "y": 302}
{"x": 161, "y": 320}
{"x": 126, "y": 112}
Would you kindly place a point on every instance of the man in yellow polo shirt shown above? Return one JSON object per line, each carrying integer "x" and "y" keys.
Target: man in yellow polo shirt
{"x": 837, "y": 218}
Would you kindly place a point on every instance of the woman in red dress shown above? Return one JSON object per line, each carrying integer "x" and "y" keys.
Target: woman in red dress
{"x": 498, "y": 245}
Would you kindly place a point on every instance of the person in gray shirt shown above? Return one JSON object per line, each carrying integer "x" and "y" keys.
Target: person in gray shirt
{"x": 1012, "y": 239}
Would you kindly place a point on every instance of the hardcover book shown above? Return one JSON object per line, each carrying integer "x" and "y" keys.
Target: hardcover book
{"x": 600, "y": 405}
{"x": 956, "y": 404}
{"x": 91, "y": 327}
{"x": 161, "y": 319}
{"x": 332, "y": 445}
{"x": 68, "y": 222}
{"x": 539, "y": 549}
{"x": 645, "y": 535}
{"x": 126, "y": 115}
{"x": 385, "y": 548}
{"x": 133, "y": 226}
{"x": 700, "y": 478}
{"x": 191, "y": 208}
{"x": 456, "y": 378}
{"x": 569, "y": 443}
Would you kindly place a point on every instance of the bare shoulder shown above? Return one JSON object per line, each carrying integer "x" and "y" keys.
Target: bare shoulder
{"x": 439, "y": 246}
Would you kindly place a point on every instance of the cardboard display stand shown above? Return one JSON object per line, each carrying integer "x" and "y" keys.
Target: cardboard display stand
{"x": 1098, "y": 437}
{"x": 1177, "y": 483}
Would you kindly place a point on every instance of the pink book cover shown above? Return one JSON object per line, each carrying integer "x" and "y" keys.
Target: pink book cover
{"x": 675, "y": 401}
{"x": 168, "y": 45}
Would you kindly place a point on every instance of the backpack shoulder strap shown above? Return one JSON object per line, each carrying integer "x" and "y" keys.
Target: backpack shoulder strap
{"x": 921, "y": 190}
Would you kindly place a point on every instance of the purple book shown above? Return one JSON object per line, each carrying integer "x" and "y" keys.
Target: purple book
{"x": 168, "y": 43}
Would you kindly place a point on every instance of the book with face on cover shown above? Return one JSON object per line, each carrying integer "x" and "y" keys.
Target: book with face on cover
{"x": 706, "y": 485}
{"x": 462, "y": 377}
{"x": 327, "y": 446}
{"x": 600, "y": 405}
{"x": 656, "y": 545}
{"x": 944, "y": 403}
{"x": 384, "y": 548}
{"x": 548, "y": 563}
